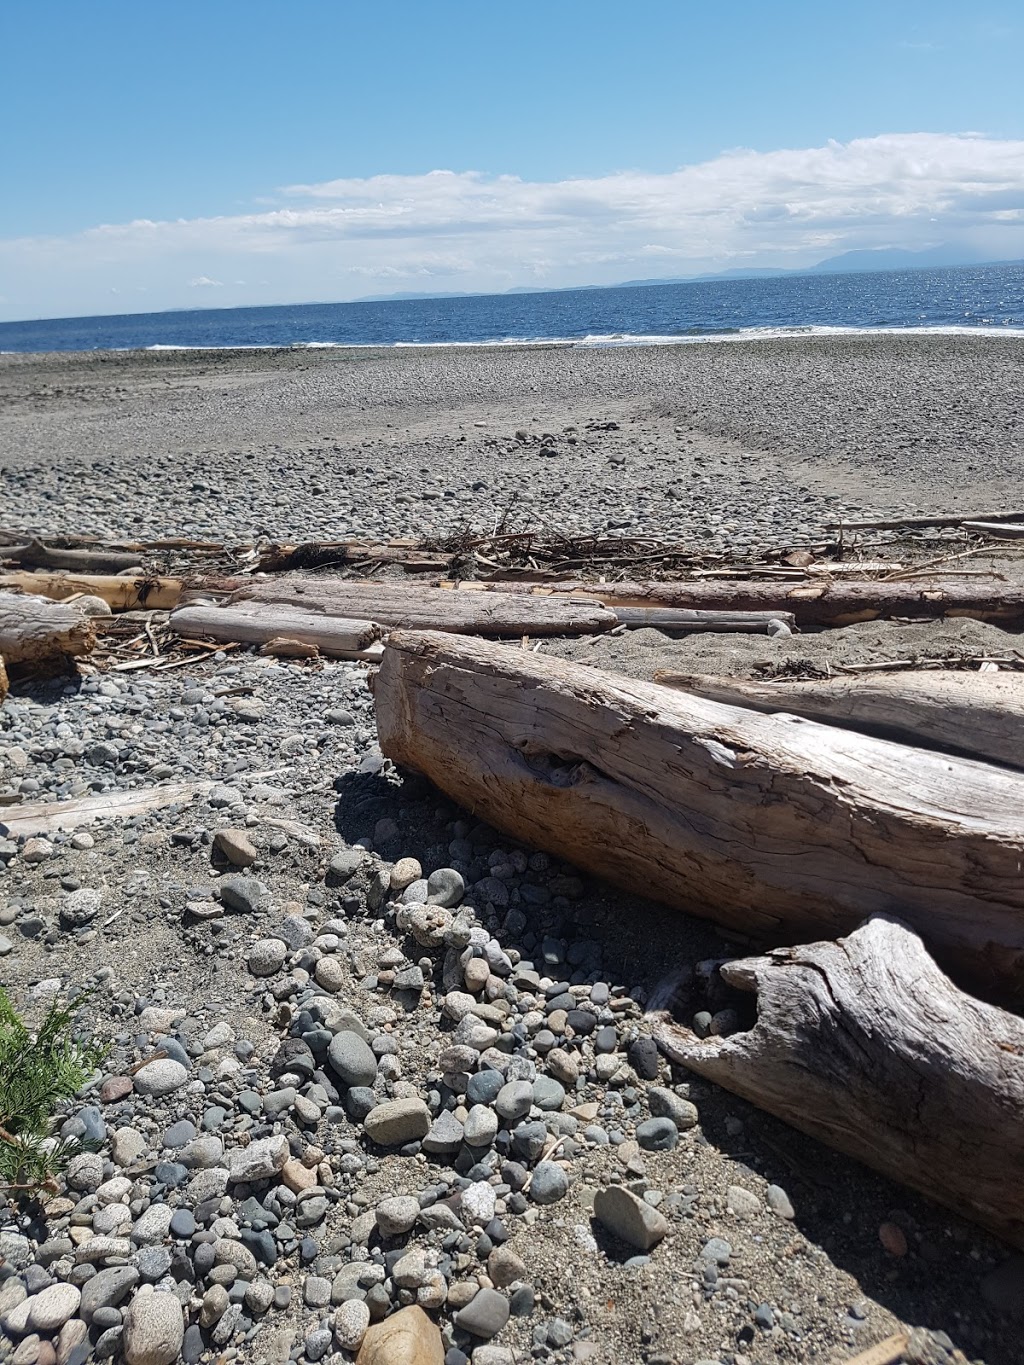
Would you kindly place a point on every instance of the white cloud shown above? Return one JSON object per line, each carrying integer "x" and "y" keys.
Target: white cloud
{"x": 478, "y": 231}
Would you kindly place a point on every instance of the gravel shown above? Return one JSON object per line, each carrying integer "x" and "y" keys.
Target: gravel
{"x": 365, "y": 1053}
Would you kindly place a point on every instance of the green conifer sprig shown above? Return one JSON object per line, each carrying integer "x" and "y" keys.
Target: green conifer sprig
{"x": 38, "y": 1072}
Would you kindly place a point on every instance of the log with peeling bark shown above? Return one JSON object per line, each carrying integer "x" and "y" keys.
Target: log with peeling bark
{"x": 120, "y": 594}
{"x": 978, "y": 715}
{"x": 867, "y": 1046}
{"x": 814, "y": 603}
{"x": 39, "y": 634}
{"x": 36, "y": 555}
{"x": 422, "y": 608}
{"x": 335, "y": 636}
{"x": 776, "y": 827}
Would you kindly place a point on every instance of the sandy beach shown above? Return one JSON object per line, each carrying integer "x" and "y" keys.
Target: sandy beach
{"x": 775, "y": 1249}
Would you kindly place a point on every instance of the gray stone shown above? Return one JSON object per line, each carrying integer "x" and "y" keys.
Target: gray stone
{"x": 446, "y": 1135}
{"x": 485, "y": 1315}
{"x": 481, "y": 1126}
{"x": 657, "y": 1135}
{"x": 352, "y": 1059}
{"x": 267, "y": 956}
{"x": 445, "y": 887}
{"x": 629, "y": 1218}
{"x": 50, "y": 1309}
{"x": 247, "y": 895}
{"x": 514, "y": 1100}
{"x": 345, "y": 864}
{"x": 398, "y": 1121}
{"x": 549, "y": 1184}
{"x": 741, "y": 1202}
{"x": 779, "y": 1202}
{"x": 259, "y": 1161}
{"x": 153, "y": 1329}
{"x": 667, "y": 1104}
{"x": 396, "y": 1216}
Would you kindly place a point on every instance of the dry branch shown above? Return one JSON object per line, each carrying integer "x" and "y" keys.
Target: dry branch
{"x": 868, "y": 1047}
{"x": 779, "y": 828}
{"x": 978, "y": 715}
{"x": 36, "y": 555}
{"x": 36, "y": 633}
{"x": 46, "y": 817}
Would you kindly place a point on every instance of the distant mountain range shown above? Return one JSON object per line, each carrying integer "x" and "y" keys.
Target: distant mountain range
{"x": 846, "y": 263}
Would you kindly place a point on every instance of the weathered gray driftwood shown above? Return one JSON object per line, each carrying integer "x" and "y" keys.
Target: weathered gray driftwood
{"x": 36, "y": 633}
{"x": 979, "y": 715}
{"x": 774, "y": 826}
{"x": 867, "y": 1046}
{"x": 421, "y": 608}
{"x": 335, "y": 636}
{"x": 46, "y": 817}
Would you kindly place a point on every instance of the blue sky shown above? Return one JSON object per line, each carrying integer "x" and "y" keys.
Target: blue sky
{"x": 162, "y": 154}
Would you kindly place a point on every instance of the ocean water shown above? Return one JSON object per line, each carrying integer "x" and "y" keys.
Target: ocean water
{"x": 972, "y": 298}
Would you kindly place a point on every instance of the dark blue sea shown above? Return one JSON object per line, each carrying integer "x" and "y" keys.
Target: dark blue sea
{"x": 970, "y": 298}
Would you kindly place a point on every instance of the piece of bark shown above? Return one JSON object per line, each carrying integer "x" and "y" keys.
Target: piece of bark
{"x": 335, "y": 636}
{"x": 37, "y": 633}
{"x": 977, "y": 715}
{"x": 46, "y": 817}
{"x": 407, "y": 1337}
{"x": 36, "y": 555}
{"x": 776, "y": 827}
{"x": 120, "y": 594}
{"x": 421, "y": 608}
{"x": 867, "y": 1046}
{"x": 812, "y": 603}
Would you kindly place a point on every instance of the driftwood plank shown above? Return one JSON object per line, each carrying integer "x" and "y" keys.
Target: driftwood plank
{"x": 777, "y": 827}
{"x": 867, "y": 1046}
{"x": 423, "y": 608}
{"x": 978, "y": 715}
{"x": 257, "y": 624}
{"x": 812, "y": 603}
{"x": 46, "y": 817}
{"x": 38, "y": 633}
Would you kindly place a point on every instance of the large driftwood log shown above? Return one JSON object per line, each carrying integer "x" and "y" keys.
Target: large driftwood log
{"x": 332, "y": 635}
{"x": 432, "y": 608}
{"x": 979, "y": 715}
{"x": 774, "y": 826}
{"x": 813, "y": 603}
{"x": 867, "y": 1046}
{"x": 38, "y": 633}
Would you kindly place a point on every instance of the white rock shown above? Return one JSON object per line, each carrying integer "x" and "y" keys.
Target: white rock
{"x": 350, "y": 1324}
{"x": 478, "y": 1202}
{"x": 50, "y": 1309}
{"x": 161, "y": 1077}
{"x": 259, "y": 1161}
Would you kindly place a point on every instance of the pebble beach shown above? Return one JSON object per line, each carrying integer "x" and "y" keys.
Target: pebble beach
{"x": 365, "y": 1054}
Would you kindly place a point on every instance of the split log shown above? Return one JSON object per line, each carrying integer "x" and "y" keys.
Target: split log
{"x": 432, "y": 608}
{"x": 868, "y": 1047}
{"x": 36, "y": 555}
{"x": 36, "y": 633}
{"x": 335, "y": 636}
{"x": 47, "y": 817}
{"x": 978, "y": 715}
{"x": 779, "y": 828}
{"x": 817, "y": 603}
{"x": 120, "y": 594}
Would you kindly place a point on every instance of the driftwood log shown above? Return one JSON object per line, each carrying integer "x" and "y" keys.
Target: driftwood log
{"x": 36, "y": 555}
{"x": 120, "y": 594}
{"x": 978, "y": 715}
{"x": 36, "y": 633}
{"x": 812, "y": 603}
{"x": 867, "y": 1046}
{"x": 432, "y": 608}
{"x": 334, "y": 636}
{"x": 776, "y": 827}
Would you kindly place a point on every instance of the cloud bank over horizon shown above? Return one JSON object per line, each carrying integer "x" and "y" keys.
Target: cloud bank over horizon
{"x": 465, "y": 230}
